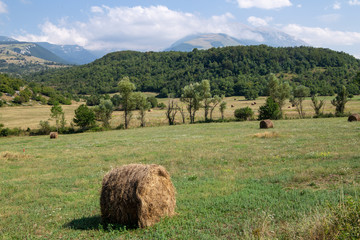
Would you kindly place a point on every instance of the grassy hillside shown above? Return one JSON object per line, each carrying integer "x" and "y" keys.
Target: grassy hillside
{"x": 19, "y": 58}
{"x": 231, "y": 181}
{"x": 231, "y": 70}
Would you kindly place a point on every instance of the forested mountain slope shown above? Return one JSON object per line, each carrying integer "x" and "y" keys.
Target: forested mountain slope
{"x": 230, "y": 70}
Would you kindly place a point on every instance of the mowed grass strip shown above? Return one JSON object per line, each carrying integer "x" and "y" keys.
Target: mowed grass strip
{"x": 230, "y": 184}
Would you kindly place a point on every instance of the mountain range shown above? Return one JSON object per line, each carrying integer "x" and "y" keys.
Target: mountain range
{"x": 47, "y": 53}
{"x": 264, "y": 36}
{"x": 64, "y": 54}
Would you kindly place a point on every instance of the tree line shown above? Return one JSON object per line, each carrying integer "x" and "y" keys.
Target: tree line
{"x": 240, "y": 71}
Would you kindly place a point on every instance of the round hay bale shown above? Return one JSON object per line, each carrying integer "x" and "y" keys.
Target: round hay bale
{"x": 354, "y": 117}
{"x": 266, "y": 124}
{"x": 137, "y": 195}
{"x": 53, "y": 135}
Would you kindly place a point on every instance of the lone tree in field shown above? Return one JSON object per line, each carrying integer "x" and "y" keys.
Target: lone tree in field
{"x": 103, "y": 112}
{"x": 206, "y": 95}
{"x": 299, "y": 94}
{"x": 279, "y": 91}
{"x": 127, "y": 102}
{"x": 58, "y": 114}
{"x": 222, "y": 108}
{"x": 192, "y": 96}
{"x": 171, "y": 111}
{"x": 270, "y": 110}
{"x": 84, "y": 117}
{"x": 317, "y": 105}
{"x": 142, "y": 104}
{"x": 340, "y": 100}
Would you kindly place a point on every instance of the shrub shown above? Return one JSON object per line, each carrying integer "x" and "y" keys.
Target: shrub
{"x": 270, "y": 110}
{"x": 45, "y": 128}
{"x": 161, "y": 105}
{"x": 243, "y": 113}
{"x": 153, "y": 101}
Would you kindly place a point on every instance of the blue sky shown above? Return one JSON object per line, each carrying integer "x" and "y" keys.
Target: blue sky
{"x": 154, "y": 25}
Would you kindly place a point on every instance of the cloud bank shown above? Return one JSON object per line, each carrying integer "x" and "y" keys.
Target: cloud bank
{"x": 157, "y": 27}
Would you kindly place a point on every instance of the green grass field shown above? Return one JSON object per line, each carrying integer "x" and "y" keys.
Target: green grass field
{"x": 232, "y": 181}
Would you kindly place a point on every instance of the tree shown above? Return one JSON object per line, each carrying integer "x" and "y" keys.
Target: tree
{"x": 317, "y": 105}
{"x": 142, "y": 105}
{"x": 279, "y": 91}
{"x": 340, "y": 100}
{"x": 222, "y": 108}
{"x": 103, "y": 112}
{"x": 84, "y": 117}
{"x": 205, "y": 94}
{"x": 192, "y": 96}
{"x": 171, "y": 111}
{"x": 270, "y": 110}
{"x": 183, "y": 115}
{"x": 214, "y": 102}
{"x": 58, "y": 114}
{"x": 126, "y": 89}
{"x": 299, "y": 94}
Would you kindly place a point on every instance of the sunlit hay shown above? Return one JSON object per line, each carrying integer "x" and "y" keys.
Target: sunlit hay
{"x": 266, "y": 124}
{"x": 53, "y": 135}
{"x": 354, "y": 117}
{"x": 267, "y": 135}
{"x": 10, "y": 156}
{"x": 137, "y": 195}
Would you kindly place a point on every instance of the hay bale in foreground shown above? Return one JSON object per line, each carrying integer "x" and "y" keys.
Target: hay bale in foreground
{"x": 137, "y": 195}
{"x": 266, "y": 124}
{"x": 354, "y": 117}
{"x": 53, "y": 135}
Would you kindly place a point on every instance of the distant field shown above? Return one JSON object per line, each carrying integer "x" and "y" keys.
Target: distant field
{"x": 30, "y": 116}
{"x": 232, "y": 183}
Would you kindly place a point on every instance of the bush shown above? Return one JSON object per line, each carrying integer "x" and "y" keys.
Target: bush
{"x": 153, "y": 101}
{"x": 5, "y": 132}
{"x": 243, "y": 113}
{"x": 270, "y": 110}
{"x": 161, "y": 105}
{"x": 45, "y": 127}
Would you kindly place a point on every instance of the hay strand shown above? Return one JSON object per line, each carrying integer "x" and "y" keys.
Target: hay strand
{"x": 137, "y": 195}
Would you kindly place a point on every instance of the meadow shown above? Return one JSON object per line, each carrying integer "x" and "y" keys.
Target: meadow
{"x": 233, "y": 180}
{"x": 30, "y": 116}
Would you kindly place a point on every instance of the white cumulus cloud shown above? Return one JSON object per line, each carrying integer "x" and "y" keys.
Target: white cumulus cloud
{"x": 322, "y": 37}
{"x": 138, "y": 28}
{"x": 3, "y": 7}
{"x": 259, "y": 22}
{"x": 354, "y": 2}
{"x": 264, "y": 4}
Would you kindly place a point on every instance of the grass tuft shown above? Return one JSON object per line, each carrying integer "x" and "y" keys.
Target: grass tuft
{"x": 267, "y": 135}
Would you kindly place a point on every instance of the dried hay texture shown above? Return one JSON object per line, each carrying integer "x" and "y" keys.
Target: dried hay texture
{"x": 10, "y": 156}
{"x": 137, "y": 195}
{"x": 354, "y": 117}
{"x": 266, "y": 135}
{"x": 54, "y": 135}
{"x": 266, "y": 124}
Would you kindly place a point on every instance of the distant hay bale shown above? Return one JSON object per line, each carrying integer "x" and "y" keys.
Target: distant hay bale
{"x": 354, "y": 117}
{"x": 53, "y": 135}
{"x": 266, "y": 124}
{"x": 137, "y": 195}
